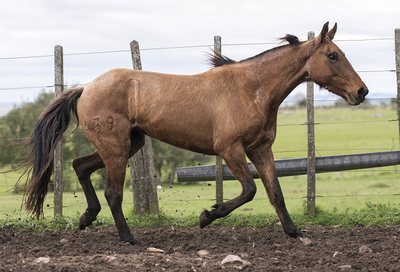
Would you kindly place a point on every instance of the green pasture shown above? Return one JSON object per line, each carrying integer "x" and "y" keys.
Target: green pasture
{"x": 338, "y": 131}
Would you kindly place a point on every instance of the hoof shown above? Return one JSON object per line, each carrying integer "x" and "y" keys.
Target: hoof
{"x": 82, "y": 226}
{"x": 300, "y": 235}
{"x": 129, "y": 239}
{"x": 133, "y": 242}
{"x": 206, "y": 218}
{"x": 297, "y": 234}
{"x": 85, "y": 221}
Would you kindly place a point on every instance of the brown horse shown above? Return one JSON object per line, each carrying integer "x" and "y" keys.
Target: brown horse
{"x": 230, "y": 110}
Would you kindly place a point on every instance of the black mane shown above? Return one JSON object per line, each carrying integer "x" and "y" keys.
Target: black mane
{"x": 217, "y": 59}
{"x": 291, "y": 39}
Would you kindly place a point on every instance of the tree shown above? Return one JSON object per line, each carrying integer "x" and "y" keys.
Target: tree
{"x": 300, "y": 99}
{"x": 17, "y": 125}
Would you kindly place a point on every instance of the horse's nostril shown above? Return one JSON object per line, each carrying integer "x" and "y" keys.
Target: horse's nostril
{"x": 362, "y": 92}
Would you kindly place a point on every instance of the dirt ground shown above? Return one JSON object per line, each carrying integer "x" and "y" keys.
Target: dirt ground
{"x": 267, "y": 249}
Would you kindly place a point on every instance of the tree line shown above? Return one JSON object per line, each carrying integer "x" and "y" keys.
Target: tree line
{"x": 19, "y": 122}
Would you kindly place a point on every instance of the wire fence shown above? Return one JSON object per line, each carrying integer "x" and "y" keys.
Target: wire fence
{"x": 10, "y": 183}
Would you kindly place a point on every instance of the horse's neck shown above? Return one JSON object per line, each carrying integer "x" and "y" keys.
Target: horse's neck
{"x": 281, "y": 71}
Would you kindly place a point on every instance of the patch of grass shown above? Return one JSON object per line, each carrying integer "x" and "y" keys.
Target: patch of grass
{"x": 371, "y": 214}
{"x": 379, "y": 185}
{"x": 31, "y": 224}
{"x": 184, "y": 200}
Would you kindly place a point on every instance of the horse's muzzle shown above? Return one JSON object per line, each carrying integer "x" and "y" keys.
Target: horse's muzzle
{"x": 361, "y": 93}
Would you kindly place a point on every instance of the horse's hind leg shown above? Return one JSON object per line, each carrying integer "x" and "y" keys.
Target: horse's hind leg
{"x": 263, "y": 160}
{"x": 84, "y": 167}
{"x": 235, "y": 159}
{"x": 115, "y": 145}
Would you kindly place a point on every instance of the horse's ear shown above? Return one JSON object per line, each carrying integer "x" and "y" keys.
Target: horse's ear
{"x": 322, "y": 35}
{"x": 332, "y": 32}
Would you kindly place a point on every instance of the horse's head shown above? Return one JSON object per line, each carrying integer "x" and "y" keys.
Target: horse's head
{"x": 329, "y": 68}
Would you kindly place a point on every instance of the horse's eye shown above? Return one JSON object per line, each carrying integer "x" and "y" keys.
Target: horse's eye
{"x": 332, "y": 56}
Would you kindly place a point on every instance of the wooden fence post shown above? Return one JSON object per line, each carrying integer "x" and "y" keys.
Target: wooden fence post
{"x": 58, "y": 160}
{"x": 397, "y": 57}
{"x": 219, "y": 180}
{"x": 142, "y": 164}
{"x": 311, "y": 144}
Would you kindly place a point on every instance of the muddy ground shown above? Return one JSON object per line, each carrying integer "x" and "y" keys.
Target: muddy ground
{"x": 267, "y": 249}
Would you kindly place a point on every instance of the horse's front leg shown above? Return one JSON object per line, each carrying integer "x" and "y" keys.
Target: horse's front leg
{"x": 263, "y": 160}
{"x": 235, "y": 159}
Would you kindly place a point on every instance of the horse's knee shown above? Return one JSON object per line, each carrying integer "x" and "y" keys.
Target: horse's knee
{"x": 110, "y": 194}
{"x": 251, "y": 191}
{"x": 80, "y": 171}
{"x": 86, "y": 165}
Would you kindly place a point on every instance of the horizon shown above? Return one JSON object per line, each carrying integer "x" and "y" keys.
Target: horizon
{"x": 321, "y": 98}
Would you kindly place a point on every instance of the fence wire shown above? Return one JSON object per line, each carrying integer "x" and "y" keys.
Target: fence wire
{"x": 180, "y": 47}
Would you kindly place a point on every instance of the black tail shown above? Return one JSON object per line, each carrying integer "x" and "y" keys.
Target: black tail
{"x": 48, "y": 130}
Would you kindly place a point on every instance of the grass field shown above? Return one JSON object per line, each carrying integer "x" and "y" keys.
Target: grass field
{"x": 338, "y": 131}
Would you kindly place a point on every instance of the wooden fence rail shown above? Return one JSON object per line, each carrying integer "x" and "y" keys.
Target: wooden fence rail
{"x": 298, "y": 166}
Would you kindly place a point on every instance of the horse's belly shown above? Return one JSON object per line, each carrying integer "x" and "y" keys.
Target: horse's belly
{"x": 195, "y": 147}
{"x": 185, "y": 137}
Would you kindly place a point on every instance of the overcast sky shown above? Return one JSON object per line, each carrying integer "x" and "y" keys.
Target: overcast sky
{"x": 33, "y": 28}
